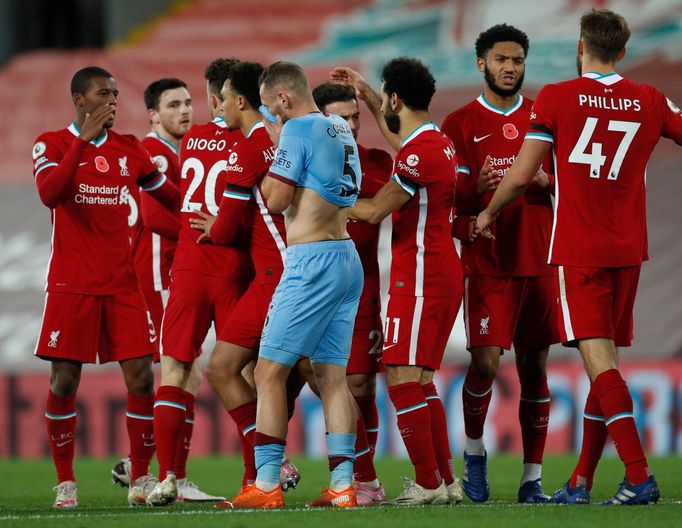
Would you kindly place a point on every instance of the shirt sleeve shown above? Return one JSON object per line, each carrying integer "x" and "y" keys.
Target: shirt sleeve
{"x": 542, "y": 123}
{"x": 54, "y": 170}
{"x": 672, "y": 121}
{"x": 290, "y": 158}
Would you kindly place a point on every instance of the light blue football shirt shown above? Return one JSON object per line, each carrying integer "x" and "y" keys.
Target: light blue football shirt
{"x": 318, "y": 152}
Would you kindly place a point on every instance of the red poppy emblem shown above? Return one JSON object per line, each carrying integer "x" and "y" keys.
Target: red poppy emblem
{"x": 101, "y": 164}
{"x": 510, "y": 132}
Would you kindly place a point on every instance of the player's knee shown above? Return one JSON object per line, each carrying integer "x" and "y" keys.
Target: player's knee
{"x": 139, "y": 378}
{"x": 64, "y": 386}
{"x": 485, "y": 365}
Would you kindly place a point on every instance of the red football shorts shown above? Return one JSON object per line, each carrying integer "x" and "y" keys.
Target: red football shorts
{"x": 195, "y": 301}
{"x": 88, "y": 328}
{"x": 245, "y": 325}
{"x": 501, "y": 311}
{"x": 365, "y": 352}
{"x": 156, "y": 304}
{"x": 417, "y": 329}
{"x": 596, "y": 302}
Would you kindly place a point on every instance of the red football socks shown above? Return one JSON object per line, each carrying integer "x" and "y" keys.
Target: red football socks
{"x": 594, "y": 438}
{"x": 616, "y": 405}
{"x": 534, "y": 418}
{"x": 140, "y": 425}
{"x": 60, "y": 419}
{"x": 169, "y": 419}
{"x": 414, "y": 423}
{"x": 439, "y": 433}
{"x": 476, "y": 395}
{"x": 185, "y": 438}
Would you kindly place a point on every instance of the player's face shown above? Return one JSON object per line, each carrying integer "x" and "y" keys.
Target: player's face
{"x": 102, "y": 91}
{"x": 392, "y": 119}
{"x": 175, "y": 112}
{"x": 273, "y": 102}
{"x": 504, "y": 67}
{"x": 349, "y": 111}
{"x": 229, "y": 105}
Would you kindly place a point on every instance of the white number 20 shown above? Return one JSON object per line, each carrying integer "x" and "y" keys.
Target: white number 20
{"x": 594, "y": 158}
{"x": 194, "y": 164}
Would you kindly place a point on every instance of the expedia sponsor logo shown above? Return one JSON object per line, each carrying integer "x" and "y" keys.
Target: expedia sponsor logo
{"x": 205, "y": 144}
{"x": 412, "y": 171}
{"x": 101, "y": 195}
{"x": 232, "y": 166}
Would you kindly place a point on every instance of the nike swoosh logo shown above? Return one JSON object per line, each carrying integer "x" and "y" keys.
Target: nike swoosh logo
{"x": 478, "y": 139}
{"x": 148, "y": 444}
{"x": 386, "y": 347}
{"x": 152, "y": 339}
{"x": 60, "y": 444}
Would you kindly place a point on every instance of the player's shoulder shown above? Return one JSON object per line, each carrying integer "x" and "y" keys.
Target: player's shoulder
{"x": 462, "y": 112}
{"x": 53, "y": 136}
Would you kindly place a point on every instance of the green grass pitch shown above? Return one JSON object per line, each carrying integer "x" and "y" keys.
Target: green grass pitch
{"x": 27, "y": 496}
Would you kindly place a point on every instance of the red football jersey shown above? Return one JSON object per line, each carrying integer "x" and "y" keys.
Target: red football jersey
{"x": 424, "y": 260}
{"x": 603, "y": 129}
{"x": 90, "y": 234}
{"x": 203, "y": 162}
{"x": 522, "y": 230}
{"x": 248, "y": 162}
{"x": 376, "y": 171}
{"x": 153, "y": 253}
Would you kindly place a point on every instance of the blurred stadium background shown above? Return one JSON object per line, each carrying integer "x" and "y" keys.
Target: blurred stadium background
{"x": 43, "y": 42}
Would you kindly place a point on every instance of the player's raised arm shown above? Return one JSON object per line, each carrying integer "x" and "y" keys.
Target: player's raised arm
{"x": 346, "y": 75}
{"x": 161, "y": 189}
{"x": 391, "y": 197}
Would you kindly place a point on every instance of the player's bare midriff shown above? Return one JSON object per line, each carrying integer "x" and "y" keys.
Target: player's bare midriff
{"x": 310, "y": 218}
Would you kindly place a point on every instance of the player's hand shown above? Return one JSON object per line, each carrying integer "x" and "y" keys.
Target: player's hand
{"x": 346, "y": 75}
{"x": 541, "y": 178}
{"x": 204, "y": 223}
{"x": 473, "y": 234}
{"x": 274, "y": 130}
{"x": 483, "y": 223}
{"x": 488, "y": 179}
{"x": 95, "y": 121}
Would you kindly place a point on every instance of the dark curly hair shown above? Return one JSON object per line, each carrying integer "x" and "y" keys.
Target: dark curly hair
{"x": 411, "y": 80}
{"x": 328, "y": 93}
{"x": 244, "y": 80}
{"x": 500, "y": 33}
{"x": 216, "y": 73}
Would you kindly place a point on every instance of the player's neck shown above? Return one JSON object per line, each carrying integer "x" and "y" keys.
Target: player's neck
{"x": 503, "y": 102}
{"x": 249, "y": 120}
{"x": 304, "y": 108}
{"x": 590, "y": 64}
{"x": 165, "y": 135}
{"x": 411, "y": 121}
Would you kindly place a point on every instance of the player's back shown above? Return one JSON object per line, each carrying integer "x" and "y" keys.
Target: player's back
{"x": 424, "y": 259}
{"x": 203, "y": 162}
{"x": 604, "y": 129}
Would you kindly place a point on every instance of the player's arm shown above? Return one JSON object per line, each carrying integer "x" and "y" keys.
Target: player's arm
{"x": 515, "y": 182}
{"x": 391, "y": 197}
{"x": 278, "y": 192}
{"x": 372, "y": 99}
{"x": 158, "y": 219}
{"x": 54, "y": 179}
{"x": 223, "y": 228}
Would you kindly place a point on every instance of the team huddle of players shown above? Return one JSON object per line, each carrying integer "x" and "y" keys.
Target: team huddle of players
{"x": 147, "y": 254}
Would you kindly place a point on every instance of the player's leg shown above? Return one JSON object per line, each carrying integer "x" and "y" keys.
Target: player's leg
{"x": 60, "y": 421}
{"x": 534, "y": 407}
{"x": 441, "y": 439}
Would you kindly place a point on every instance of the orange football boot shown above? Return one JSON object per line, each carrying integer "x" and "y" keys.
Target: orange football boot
{"x": 335, "y": 499}
{"x": 251, "y": 497}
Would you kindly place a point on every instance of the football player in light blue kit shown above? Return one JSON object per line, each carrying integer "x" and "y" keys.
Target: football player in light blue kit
{"x": 315, "y": 177}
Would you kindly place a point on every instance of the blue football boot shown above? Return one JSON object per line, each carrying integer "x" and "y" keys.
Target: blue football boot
{"x": 628, "y": 494}
{"x": 569, "y": 495}
{"x": 531, "y": 492}
{"x": 475, "y": 478}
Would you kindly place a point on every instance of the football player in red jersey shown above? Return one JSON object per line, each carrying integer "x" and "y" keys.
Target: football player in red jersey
{"x": 507, "y": 271}
{"x": 248, "y": 162}
{"x": 426, "y": 273}
{"x": 206, "y": 279}
{"x": 94, "y": 309}
{"x": 602, "y": 129}
{"x": 365, "y": 355}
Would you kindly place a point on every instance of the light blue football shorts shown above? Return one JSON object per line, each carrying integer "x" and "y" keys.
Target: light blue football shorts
{"x": 313, "y": 309}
